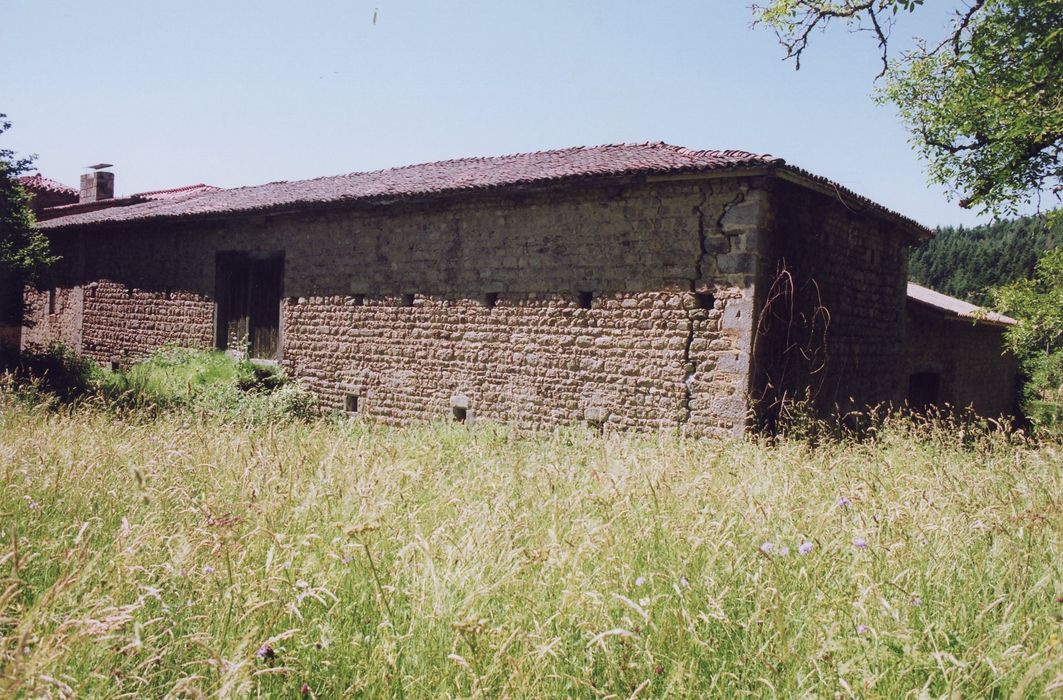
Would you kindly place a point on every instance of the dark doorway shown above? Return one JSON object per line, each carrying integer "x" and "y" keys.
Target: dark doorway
{"x": 249, "y": 285}
{"x": 923, "y": 389}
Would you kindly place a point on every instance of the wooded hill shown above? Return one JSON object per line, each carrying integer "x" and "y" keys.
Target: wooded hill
{"x": 965, "y": 262}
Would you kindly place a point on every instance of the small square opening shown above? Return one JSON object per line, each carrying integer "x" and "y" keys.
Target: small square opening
{"x": 585, "y": 299}
{"x": 407, "y": 300}
{"x": 350, "y": 403}
{"x": 358, "y": 300}
{"x": 704, "y": 300}
{"x": 924, "y": 390}
{"x": 115, "y": 366}
{"x": 491, "y": 300}
{"x": 460, "y": 414}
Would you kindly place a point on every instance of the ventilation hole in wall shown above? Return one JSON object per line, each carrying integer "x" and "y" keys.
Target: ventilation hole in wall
{"x": 407, "y": 300}
{"x": 585, "y": 299}
{"x": 491, "y": 300}
{"x": 129, "y": 292}
{"x": 358, "y": 300}
{"x": 115, "y": 366}
{"x": 460, "y": 414}
{"x": 350, "y": 403}
{"x": 704, "y": 300}
{"x": 51, "y": 301}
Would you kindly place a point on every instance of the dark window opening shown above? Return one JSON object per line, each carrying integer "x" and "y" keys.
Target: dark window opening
{"x": 115, "y": 366}
{"x": 358, "y": 300}
{"x": 704, "y": 300}
{"x": 585, "y": 299}
{"x": 249, "y": 288}
{"x": 51, "y": 301}
{"x": 350, "y": 403}
{"x": 460, "y": 414}
{"x": 923, "y": 389}
{"x": 407, "y": 300}
{"x": 491, "y": 300}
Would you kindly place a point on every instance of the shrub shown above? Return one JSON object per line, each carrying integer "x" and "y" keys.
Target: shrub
{"x": 56, "y": 370}
{"x": 209, "y": 384}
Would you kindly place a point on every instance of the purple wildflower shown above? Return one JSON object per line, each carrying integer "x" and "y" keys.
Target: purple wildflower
{"x": 843, "y": 502}
{"x": 265, "y": 652}
{"x": 784, "y": 550}
{"x": 917, "y": 601}
{"x": 860, "y": 543}
{"x": 805, "y": 547}
{"x": 640, "y": 581}
{"x": 767, "y": 547}
{"x": 861, "y": 629}
{"x": 208, "y": 569}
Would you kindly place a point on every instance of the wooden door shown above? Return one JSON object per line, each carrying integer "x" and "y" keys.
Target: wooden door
{"x": 264, "y": 309}
{"x": 249, "y": 286}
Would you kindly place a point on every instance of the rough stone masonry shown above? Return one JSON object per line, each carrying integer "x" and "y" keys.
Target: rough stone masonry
{"x": 627, "y": 286}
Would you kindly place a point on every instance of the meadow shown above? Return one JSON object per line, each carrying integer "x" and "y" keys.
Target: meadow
{"x": 179, "y": 554}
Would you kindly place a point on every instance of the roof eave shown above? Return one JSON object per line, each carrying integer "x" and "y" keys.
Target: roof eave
{"x": 58, "y": 224}
{"x": 915, "y": 231}
{"x": 951, "y": 315}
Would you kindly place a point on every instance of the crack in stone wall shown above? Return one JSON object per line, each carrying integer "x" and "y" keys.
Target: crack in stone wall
{"x": 642, "y": 357}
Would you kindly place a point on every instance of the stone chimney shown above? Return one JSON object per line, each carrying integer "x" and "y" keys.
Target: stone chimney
{"x": 96, "y": 186}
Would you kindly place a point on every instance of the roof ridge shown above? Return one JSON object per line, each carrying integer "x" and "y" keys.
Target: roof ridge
{"x": 513, "y": 156}
{"x": 732, "y": 152}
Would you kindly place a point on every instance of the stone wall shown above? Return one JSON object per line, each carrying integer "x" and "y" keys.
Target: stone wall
{"x": 975, "y": 370}
{"x": 403, "y": 310}
{"x": 830, "y": 305}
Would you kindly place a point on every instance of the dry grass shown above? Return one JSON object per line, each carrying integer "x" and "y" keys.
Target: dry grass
{"x": 188, "y": 558}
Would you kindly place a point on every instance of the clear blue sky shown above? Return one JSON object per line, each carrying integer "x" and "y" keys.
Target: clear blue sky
{"x": 240, "y": 93}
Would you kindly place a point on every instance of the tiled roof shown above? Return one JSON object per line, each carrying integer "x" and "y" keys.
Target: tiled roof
{"x": 956, "y": 307}
{"x": 456, "y": 176}
{"x": 40, "y": 183}
{"x": 175, "y": 192}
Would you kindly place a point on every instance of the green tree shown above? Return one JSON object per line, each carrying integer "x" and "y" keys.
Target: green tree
{"x": 984, "y": 103}
{"x": 1037, "y": 340}
{"x": 24, "y": 251}
{"x": 968, "y": 262}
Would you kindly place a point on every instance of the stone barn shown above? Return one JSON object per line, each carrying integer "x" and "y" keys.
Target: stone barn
{"x": 956, "y": 355}
{"x": 632, "y": 286}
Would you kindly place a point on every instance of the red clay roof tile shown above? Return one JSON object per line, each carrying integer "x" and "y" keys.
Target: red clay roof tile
{"x": 40, "y": 183}
{"x": 449, "y": 177}
{"x": 175, "y": 191}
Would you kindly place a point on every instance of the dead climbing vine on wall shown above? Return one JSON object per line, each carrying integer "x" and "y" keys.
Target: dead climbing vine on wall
{"x": 790, "y": 344}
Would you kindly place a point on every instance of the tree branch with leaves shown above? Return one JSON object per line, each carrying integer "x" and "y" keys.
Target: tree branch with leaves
{"x": 984, "y": 103}
{"x": 24, "y": 251}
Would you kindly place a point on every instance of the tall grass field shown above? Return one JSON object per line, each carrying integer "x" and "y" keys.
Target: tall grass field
{"x": 187, "y": 555}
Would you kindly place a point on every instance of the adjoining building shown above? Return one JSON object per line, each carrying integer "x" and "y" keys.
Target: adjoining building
{"x": 635, "y": 286}
{"x": 955, "y": 355}
{"x": 46, "y": 193}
